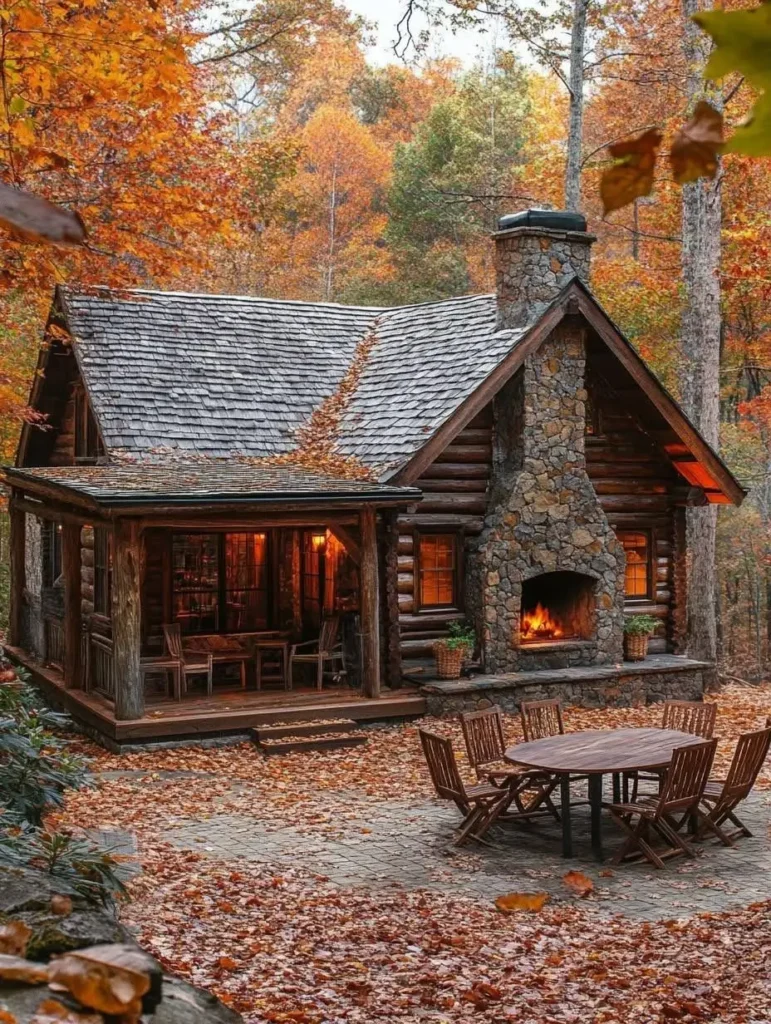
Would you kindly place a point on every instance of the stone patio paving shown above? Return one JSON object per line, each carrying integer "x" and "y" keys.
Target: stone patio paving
{"x": 396, "y": 843}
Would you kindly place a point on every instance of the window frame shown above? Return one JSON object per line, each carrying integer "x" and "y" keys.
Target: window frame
{"x": 457, "y": 574}
{"x": 221, "y": 590}
{"x": 87, "y": 440}
{"x": 52, "y": 553}
{"x": 102, "y": 572}
{"x": 648, "y": 532}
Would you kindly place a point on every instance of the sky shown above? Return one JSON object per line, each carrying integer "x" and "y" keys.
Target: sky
{"x": 465, "y": 45}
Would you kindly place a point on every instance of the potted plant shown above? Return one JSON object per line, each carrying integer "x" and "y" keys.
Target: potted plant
{"x": 452, "y": 651}
{"x": 638, "y": 629}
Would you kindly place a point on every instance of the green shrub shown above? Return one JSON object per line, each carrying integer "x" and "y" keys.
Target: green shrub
{"x": 640, "y": 625}
{"x": 90, "y": 870}
{"x": 460, "y": 635}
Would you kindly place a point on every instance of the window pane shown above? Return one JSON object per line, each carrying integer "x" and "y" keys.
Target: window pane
{"x": 102, "y": 571}
{"x": 437, "y": 570}
{"x": 195, "y": 582}
{"x": 246, "y": 582}
{"x": 637, "y": 549}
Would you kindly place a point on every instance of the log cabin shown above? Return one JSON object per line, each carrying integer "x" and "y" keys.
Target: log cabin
{"x": 229, "y": 473}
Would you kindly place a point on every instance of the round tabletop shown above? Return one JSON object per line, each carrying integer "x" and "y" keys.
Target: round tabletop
{"x": 602, "y": 750}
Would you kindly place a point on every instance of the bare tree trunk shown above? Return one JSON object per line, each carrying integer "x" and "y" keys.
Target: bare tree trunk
{"x": 702, "y": 219}
{"x": 576, "y": 116}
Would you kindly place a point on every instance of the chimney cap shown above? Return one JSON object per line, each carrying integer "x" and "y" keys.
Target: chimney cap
{"x": 556, "y": 220}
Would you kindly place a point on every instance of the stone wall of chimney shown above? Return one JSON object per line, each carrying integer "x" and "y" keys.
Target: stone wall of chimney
{"x": 532, "y": 266}
{"x": 544, "y": 514}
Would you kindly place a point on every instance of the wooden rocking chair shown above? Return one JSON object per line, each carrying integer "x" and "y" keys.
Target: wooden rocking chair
{"x": 681, "y": 791}
{"x": 328, "y": 652}
{"x": 480, "y": 805}
{"x": 722, "y": 797}
{"x": 530, "y": 790}
{"x": 191, "y": 663}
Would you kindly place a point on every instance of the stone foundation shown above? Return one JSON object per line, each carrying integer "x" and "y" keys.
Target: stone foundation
{"x": 659, "y": 678}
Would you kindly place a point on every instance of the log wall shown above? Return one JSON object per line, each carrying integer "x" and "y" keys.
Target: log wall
{"x": 455, "y": 496}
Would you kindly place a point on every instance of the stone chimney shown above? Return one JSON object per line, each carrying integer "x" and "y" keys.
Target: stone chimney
{"x": 537, "y": 252}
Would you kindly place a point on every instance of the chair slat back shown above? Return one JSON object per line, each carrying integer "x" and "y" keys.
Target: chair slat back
{"x": 751, "y": 751}
{"x": 694, "y": 717}
{"x": 686, "y": 777}
{"x": 541, "y": 719}
{"x": 173, "y": 637}
{"x": 483, "y": 735}
{"x": 330, "y": 627}
{"x": 443, "y": 767}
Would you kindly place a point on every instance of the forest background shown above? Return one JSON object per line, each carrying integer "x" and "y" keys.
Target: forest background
{"x": 256, "y": 148}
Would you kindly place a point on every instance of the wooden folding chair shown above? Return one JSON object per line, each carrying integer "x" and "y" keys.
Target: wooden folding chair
{"x": 665, "y": 813}
{"x": 695, "y": 717}
{"x": 486, "y": 747}
{"x": 722, "y": 797}
{"x": 541, "y": 719}
{"x": 480, "y": 805}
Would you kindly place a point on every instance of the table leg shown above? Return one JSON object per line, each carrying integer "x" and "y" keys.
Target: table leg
{"x": 595, "y": 801}
{"x": 567, "y": 836}
{"x": 616, "y": 788}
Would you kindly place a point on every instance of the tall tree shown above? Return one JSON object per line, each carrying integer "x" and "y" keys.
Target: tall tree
{"x": 701, "y": 344}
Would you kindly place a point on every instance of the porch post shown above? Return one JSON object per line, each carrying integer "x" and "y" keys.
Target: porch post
{"x": 126, "y": 618}
{"x": 18, "y": 563}
{"x": 72, "y": 610}
{"x": 370, "y": 605}
{"x": 393, "y": 648}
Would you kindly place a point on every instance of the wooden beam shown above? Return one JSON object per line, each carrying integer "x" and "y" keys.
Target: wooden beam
{"x": 18, "y": 565}
{"x": 393, "y": 654}
{"x": 370, "y": 605}
{"x": 72, "y": 611}
{"x": 61, "y": 514}
{"x": 248, "y": 521}
{"x": 127, "y": 619}
{"x": 348, "y": 541}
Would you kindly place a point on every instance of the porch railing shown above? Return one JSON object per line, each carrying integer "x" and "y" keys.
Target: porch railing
{"x": 53, "y": 638}
{"x": 102, "y": 666}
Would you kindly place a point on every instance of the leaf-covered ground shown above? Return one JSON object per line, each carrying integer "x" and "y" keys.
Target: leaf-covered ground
{"x": 288, "y": 945}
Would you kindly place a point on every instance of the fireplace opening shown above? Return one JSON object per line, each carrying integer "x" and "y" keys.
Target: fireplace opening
{"x": 557, "y": 606}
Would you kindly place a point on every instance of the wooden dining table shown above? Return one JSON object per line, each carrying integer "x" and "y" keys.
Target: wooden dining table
{"x": 595, "y": 753}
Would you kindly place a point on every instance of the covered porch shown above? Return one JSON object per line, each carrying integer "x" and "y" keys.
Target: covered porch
{"x": 129, "y": 580}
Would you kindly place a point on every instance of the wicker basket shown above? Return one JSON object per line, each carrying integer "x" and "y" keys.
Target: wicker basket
{"x": 636, "y": 647}
{"x": 449, "y": 660}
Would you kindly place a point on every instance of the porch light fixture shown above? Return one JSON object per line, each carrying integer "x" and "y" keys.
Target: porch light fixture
{"x": 319, "y": 541}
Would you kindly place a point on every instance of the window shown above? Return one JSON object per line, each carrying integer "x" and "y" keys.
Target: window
{"x": 220, "y": 582}
{"x": 195, "y": 582}
{"x": 52, "y": 552}
{"x": 246, "y": 581}
{"x": 637, "y": 547}
{"x": 437, "y": 570}
{"x": 102, "y": 571}
{"x": 87, "y": 444}
{"x": 314, "y": 546}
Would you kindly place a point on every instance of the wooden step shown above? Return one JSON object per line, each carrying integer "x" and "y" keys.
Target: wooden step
{"x": 317, "y": 727}
{"x": 293, "y": 744}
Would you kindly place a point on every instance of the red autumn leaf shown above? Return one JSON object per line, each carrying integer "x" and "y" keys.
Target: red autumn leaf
{"x": 578, "y": 882}
{"x": 696, "y": 147}
{"x": 515, "y": 901}
{"x": 632, "y": 174}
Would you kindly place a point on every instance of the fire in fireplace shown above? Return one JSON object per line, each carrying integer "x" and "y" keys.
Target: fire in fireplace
{"x": 540, "y": 624}
{"x": 557, "y": 606}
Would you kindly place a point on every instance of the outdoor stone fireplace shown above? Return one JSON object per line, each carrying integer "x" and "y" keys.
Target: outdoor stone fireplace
{"x": 546, "y": 540}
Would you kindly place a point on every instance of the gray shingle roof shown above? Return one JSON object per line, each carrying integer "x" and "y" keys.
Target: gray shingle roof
{"x": 220, "y": 376}
{"x": 186, "y": 483}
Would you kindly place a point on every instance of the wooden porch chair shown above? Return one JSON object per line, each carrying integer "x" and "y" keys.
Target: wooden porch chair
{"x": 681, "y": 791}
{"x": 722, "y": 796}
{"x": 486, "y": 747}
{"x": 480, "y": 805}
{"x": 695, "y": 717}
{"x": 326, "y": 651}
{"x": 541, "y": 719}
{"x": 191, "y": 663}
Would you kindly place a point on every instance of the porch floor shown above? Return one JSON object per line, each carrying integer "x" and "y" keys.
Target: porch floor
{"x": 228, "y": 710}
